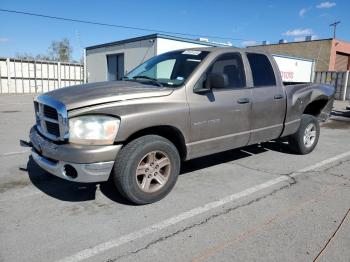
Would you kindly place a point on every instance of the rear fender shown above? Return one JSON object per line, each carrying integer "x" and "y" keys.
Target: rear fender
{"x": 299, "y": 97}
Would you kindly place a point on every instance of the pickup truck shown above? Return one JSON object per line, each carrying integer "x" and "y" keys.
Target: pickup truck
{"x": 174, "y": 107}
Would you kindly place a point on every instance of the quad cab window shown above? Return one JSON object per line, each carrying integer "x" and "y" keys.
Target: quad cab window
{"x": 230, "y": 65}
{"x": 262, "y": 71}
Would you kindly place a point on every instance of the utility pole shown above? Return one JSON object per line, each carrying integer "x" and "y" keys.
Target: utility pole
{"x": 334, "y": 25}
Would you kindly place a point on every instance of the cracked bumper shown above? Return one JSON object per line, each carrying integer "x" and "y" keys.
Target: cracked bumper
{"x": 86, "y": 173}
{"x": 91, "y": 163}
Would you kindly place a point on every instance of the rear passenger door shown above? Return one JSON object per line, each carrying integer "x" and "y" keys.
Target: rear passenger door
{"x": 268, "y": 100}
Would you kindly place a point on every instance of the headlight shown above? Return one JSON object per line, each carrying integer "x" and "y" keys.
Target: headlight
{"x": 93, "y": 129}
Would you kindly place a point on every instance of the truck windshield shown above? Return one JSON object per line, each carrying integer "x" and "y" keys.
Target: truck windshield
{"x": 169, "y": 69}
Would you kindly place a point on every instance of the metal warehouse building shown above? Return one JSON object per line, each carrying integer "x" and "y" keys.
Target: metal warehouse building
{"x": 329, "y": 54}
{"x": 111, "y": 61}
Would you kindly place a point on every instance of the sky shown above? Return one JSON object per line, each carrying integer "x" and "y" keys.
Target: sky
{"x": 245, "y": 22}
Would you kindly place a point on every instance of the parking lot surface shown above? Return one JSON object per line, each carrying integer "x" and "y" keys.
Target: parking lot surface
{"x": 258, "y": 203}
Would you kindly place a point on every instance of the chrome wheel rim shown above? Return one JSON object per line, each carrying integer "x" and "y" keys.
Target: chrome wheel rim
{"x": 310, "y": 135}
{"x": 153, "y": 171}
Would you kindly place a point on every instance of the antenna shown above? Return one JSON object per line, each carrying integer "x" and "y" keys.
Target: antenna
{"x": 334, "y": 27}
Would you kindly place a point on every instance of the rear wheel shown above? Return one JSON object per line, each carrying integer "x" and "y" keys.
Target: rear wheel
{"x": 146, "y": 169}
{"x": 305, "y": 139}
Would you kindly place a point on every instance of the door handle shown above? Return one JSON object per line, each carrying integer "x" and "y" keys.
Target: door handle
{"x": 243, "y": 100}
{"x": 278, "y": 96}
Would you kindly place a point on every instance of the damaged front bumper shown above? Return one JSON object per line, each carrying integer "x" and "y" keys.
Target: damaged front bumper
{"x": 79, "y": 163}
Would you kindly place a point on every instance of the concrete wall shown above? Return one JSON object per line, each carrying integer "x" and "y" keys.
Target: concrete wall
{"x": 320, "y": 51}
{"x": 135, "y": 53}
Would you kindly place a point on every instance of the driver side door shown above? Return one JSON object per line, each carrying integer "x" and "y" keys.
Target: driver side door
{"x": 220, "y": 117}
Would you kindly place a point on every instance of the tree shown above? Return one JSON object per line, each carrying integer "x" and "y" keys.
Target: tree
{"x": 42, "y": 57}
{"x": 61, "y": 50}
{"x": 27, "y": 56}
{"x": 24, "y": 56}
{"x": 57, "y": 51}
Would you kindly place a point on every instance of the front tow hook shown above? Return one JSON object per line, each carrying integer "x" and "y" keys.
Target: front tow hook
{"x": 25, "y": 143}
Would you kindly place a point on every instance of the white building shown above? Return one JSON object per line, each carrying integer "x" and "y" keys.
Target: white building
{"x": 111, "y": 61}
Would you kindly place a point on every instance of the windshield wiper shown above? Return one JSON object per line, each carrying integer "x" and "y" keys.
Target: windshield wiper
{"x": 153, "y": 80}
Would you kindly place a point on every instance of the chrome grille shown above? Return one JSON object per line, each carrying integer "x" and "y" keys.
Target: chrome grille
{"x": 52, "y": 128}
{"x": 51, "y": 118}
{"x": 50, "y": 112}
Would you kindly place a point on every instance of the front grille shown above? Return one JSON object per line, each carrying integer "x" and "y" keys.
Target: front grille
{"x": 36, "y": 106}
{"x": 50, "y": 112}
{"x": 53, "y": 128}
{"x": 48, "y": 120}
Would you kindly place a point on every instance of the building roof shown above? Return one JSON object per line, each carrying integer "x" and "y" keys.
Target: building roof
{"x": 297, "y": 42}
{"x": 152, "y": 36}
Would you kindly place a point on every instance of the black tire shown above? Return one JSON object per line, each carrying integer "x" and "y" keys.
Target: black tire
{"x": 128, "y": 161}
{"x": 296, "y": 141}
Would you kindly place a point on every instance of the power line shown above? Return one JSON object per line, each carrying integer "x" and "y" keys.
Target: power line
{"x": 117, "y": 26}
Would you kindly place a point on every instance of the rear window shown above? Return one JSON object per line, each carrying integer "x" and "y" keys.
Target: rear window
{"x": 262, "y": 70}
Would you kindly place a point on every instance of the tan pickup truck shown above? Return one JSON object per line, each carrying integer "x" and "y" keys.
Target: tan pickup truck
{"x": 176, "y": 106}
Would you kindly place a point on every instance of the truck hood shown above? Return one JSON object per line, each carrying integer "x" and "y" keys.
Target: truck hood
{"x": 105, "y": 92}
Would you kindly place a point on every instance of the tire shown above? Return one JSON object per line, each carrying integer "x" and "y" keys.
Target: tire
{"x": 303, "y": 142}
{"x": 146, "y": 169}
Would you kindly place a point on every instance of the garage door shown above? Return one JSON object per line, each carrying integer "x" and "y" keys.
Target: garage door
{"x": 341, "y": 62}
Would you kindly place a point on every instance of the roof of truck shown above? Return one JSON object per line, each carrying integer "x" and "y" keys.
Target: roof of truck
{"x": 223, "y": 49}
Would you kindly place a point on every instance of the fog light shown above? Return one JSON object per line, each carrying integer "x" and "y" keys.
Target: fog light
{"x": 70, "y": 171}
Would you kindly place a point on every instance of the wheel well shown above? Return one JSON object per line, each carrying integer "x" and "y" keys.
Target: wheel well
{"x": 169, "y": 132}
{"x": 315, "y": 107}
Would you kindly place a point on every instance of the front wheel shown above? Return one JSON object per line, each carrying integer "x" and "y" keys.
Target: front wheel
{"x": 305, "y": 139}
{"x": 146, "y": 169}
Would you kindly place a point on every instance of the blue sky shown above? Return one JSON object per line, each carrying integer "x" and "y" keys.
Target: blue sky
{"x": 246, "y": 21}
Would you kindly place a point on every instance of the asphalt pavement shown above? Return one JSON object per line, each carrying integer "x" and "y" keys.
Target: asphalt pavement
{"x": 258, "y": 203}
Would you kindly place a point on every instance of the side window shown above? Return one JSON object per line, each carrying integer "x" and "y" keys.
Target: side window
{"x": 262, "y": 71}
{"x": 232, "y": 66}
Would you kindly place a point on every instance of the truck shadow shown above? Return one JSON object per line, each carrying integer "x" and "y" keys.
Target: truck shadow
{"x": 233, "y": 155}
{"x": 66, "y": 190}
{"x": 79, "y": 192}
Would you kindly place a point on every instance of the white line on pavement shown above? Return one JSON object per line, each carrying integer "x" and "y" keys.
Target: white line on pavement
{"x": 15, "y": 153}
{"x": 89, "y": 252}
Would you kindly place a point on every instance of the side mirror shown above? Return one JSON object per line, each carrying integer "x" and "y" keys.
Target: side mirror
{"x": 216, "y": 80}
